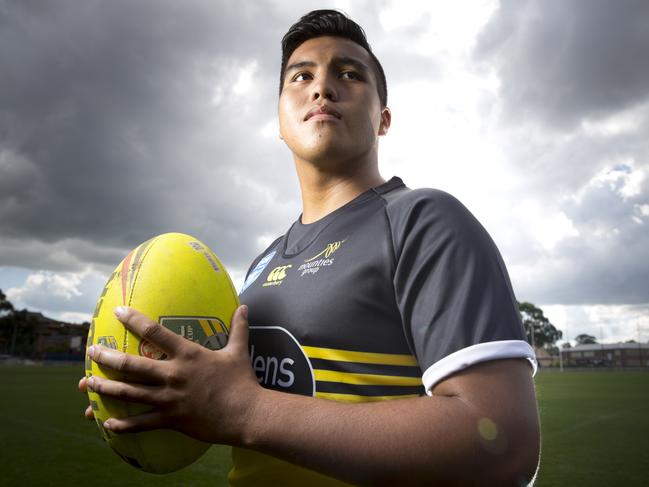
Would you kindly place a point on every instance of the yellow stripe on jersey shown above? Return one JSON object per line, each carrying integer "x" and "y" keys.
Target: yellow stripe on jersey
{"x": 365, "y": 379}
{"x": 333, "y": 396}
{"x": 207, "y": 329}
{"x": 360, "y": 357}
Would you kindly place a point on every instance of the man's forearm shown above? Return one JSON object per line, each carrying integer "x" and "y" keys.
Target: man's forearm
{"x": 419, "y": 440}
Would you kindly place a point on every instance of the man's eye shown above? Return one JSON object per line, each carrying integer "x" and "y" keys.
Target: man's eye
{"x": 302, "y": 77}
{"x": 350, "y": 75}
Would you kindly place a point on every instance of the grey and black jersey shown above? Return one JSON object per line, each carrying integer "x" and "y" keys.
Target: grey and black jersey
{"x": 380, "y": 299}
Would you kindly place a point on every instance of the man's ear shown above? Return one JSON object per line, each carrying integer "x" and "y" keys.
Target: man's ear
{"x": 386, "y": 119}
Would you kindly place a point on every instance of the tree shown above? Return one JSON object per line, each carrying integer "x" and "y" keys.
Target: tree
{"x": 17, "y": 329}
{"x": 22, "y": 327}
{"x": 538, "y": 329}
{"x": 6, "y": 322}
{"x": 5, "y": 306}
{"x": 585, "y": 339}
{"x": 552, "y": 350}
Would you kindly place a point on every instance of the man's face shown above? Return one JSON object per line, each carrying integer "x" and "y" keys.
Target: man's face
{"x": 329, "y": 108}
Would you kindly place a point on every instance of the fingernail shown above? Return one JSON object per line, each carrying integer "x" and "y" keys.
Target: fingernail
{"x": 107, "y": 424}
{"x": 119, "y": 311}
{"x": 244, "y": 311}
{"x": 91, "y": 351}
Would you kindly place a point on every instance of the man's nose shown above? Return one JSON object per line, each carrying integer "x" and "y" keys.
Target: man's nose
{"x": 324, "y": 87}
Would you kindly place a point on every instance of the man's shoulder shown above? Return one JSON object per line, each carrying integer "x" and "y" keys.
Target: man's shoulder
{"x": 430, "y": 215}
{"x": 403, "y": 202}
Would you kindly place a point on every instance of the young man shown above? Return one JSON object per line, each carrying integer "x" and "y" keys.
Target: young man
{"x": 384, "y": 330}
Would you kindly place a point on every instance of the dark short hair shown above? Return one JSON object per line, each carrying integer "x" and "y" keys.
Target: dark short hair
{"x": 320, "y": 23}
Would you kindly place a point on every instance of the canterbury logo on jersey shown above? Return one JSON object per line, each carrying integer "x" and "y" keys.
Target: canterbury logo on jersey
{"x": 277, "y": 275}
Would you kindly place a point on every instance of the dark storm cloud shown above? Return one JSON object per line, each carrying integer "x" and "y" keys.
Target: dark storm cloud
{"x": 62, "y": 255}
{"x": 600, "y": 182}
{"x": 120, "y": 120}
{"x": 608, "y": 263}
{"x": 574, "y": 98}
{"x": 561, "y": 61}
{"x": 555, "y": 165}
{"x": 612, "y": 263}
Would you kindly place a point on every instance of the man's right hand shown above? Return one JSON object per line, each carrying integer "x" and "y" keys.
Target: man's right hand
{"x": 206, "y": 394}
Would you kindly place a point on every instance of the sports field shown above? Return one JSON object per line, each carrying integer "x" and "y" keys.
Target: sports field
{"x": 595, "y": 432}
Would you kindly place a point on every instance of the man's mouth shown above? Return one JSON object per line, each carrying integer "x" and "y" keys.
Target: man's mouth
{"x": 322, "y": 112}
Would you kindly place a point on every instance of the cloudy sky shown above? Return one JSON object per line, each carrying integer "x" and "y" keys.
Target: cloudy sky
{"x": 122, "y": 119}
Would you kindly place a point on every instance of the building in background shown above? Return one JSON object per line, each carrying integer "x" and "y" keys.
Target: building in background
{"x": 607, "y": 355}
{"x": 25, "y": 334}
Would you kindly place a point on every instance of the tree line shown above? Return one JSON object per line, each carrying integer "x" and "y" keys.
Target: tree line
{"x": 18, "y": 329}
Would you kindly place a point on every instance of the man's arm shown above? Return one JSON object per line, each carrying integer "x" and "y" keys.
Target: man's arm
{"x": 479, "y": 427}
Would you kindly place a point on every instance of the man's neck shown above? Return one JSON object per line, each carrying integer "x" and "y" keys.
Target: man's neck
{"x": 324, "y": 192}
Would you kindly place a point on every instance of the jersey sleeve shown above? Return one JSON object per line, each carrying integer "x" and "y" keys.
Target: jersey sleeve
{"x": 452, "y": 288}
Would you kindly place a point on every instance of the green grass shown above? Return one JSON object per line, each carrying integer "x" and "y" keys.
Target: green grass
{"x": 595, "y": 431}
{"x": 45, "y": 440}
{"x": 595, "y": 428}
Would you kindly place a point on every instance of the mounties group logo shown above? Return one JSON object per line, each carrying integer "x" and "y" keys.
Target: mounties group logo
{"x": 321, "y": 259}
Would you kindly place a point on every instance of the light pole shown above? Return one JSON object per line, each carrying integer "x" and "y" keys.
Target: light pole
{"x": 532, "y": 331}
{"x": 561, "y": 351}
{"x": 637, "y": 324}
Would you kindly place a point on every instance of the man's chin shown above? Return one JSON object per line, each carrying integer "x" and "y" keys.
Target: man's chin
{"x": 327, "y": 155}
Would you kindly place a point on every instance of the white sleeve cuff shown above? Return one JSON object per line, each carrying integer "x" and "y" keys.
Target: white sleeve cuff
{"x": 474, "y": 354}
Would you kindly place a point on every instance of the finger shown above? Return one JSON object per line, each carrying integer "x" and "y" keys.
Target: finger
{"x": 133, "y": 424}
{"x": 139, "y": 369}
{"x": 149, "y": 330}
{"x": 89, "y": 413}
{"x": 82, "y": 385}
{"x": 239, "y": 329}
{"x": 124, "y": 391}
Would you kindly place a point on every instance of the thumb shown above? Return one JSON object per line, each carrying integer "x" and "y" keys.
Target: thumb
{"x": 239, "y": 328}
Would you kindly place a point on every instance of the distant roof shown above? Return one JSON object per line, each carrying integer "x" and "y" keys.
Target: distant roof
{"x": 607, "y": 346}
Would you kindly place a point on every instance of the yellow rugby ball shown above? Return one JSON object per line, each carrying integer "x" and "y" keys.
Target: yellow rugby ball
{"x": 179, "y": 282}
